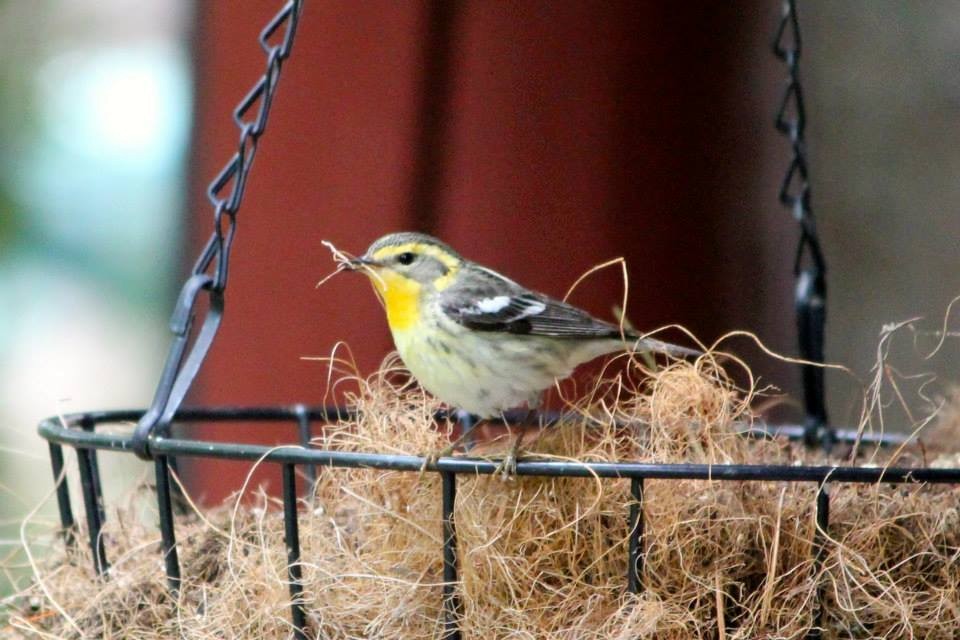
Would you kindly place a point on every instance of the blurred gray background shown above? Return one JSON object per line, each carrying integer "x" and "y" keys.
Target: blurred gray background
{"x": 883, "y": 91}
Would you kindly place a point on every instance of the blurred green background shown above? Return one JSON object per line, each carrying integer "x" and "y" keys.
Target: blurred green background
{"x": 95, "y": 109}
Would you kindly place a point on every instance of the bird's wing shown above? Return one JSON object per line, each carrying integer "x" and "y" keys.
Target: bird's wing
{"x": 495, "y": 303}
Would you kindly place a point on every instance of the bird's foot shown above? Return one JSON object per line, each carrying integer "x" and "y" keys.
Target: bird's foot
{"x": 507, "y": 469}
{"x": 430, "y": 459}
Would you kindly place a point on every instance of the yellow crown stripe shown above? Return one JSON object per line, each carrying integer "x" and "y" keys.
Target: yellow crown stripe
{"x": 449, "y": 261}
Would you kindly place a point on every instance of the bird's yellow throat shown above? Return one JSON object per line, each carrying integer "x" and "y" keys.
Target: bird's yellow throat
{"x": 401, "y": 298}
{"x": 400, "y": 294}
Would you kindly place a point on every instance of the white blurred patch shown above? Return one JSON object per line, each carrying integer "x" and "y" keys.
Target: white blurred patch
{"x": 118, "y": 104}
{"x": 493, "y": 305}
{"x": 71, "y": 347}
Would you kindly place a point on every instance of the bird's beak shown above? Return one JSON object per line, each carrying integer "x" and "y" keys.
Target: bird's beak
{"x": 355, "y": 264}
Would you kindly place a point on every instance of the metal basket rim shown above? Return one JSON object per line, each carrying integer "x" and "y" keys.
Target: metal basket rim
{"x": 78, "y": 430}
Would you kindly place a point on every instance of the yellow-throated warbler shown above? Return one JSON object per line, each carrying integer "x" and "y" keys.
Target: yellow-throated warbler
{"x": 475, "y": 339}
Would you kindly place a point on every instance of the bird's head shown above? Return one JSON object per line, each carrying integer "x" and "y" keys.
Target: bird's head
{"x": 402, "y": 267}
{"x": 409, "y": 260}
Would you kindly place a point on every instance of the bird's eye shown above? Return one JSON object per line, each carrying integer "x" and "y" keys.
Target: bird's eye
{"x": 406, "y": 258}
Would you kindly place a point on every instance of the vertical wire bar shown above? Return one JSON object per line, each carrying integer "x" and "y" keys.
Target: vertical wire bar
{"x": 303, "y": 424}
{"x": 292, "y": 538}
{"x": 819, "y": 551}
{"x": 87, "y": 424}
{"x": 451, "y": 601}
{"x": 170, "y": 559}
{"x": 92, "y": 506}
{"x": 63, "y": 494}
{"x": 467, "y": 423}
{"x": 810, "y": 306}
{"x": 635, "y": 547}
{"x": 177, "y": 499}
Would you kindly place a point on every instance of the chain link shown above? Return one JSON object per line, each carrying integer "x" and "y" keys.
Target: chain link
{"x": 809, "y": 266}
{"x": 210, "y": 272}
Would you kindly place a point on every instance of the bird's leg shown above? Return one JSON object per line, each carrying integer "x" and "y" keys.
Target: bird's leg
{"x": 540, "y": 428}
{"x": 510, "y": 462}
{"x": 468, "y": 423}
{"x": 508, "y": 466}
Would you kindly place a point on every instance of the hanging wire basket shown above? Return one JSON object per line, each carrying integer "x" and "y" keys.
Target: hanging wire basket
{"x": 193, "y": 335}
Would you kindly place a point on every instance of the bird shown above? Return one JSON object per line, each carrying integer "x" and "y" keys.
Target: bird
{"x": 475, "y": 339}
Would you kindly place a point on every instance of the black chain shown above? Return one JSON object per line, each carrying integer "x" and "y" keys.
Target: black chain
{"x": 809, "y": 267}
{"x": 209, "y": 274}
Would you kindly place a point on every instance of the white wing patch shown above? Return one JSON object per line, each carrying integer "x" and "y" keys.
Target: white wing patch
{"x": 533, "y": 308}
{"x": 504, "y": 308}
{"x": 493, "y": 305}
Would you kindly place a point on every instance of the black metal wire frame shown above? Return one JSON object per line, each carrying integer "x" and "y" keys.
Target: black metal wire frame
{"x": 79, "y": 432}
